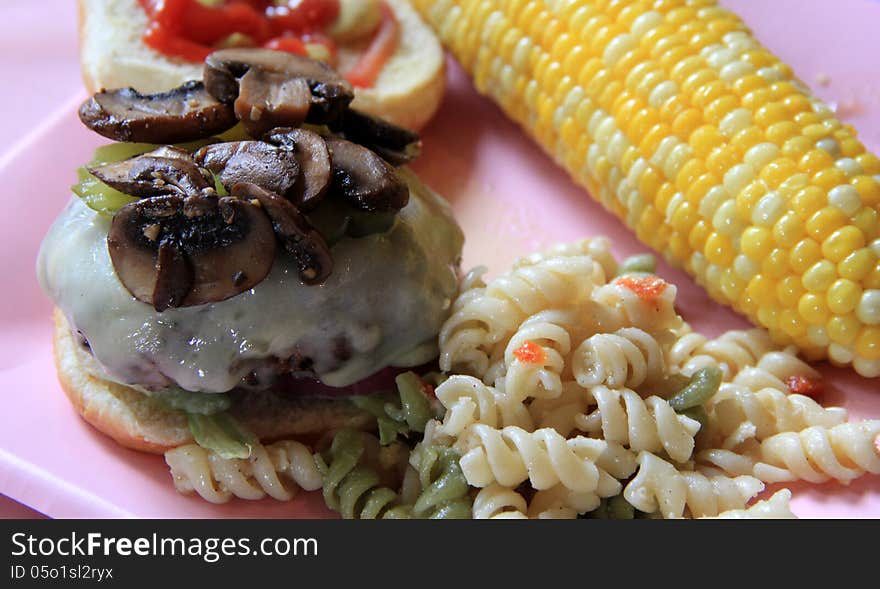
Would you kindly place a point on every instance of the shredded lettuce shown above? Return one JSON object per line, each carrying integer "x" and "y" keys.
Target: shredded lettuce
{"x": 199, "y": 403}
{"x": 221, "y": 434}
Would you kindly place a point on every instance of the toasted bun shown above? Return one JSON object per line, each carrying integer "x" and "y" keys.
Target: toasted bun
{"x": 128, "y": 417}
{"x": 112, "y": 55}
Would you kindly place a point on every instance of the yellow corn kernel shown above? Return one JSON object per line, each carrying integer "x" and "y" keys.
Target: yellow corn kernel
{"x": 844, "y": 296}
{"x": 813, "y": 308}
{"x": 789, "y": 291}
{"x": 842, "y": 242}
{"x": 819, "y": 276}
{"x": 868, "y": 343}
{"x": 843, "y": 329}
{"x": 757, "y": 242}
{"x": 824, "y": 222}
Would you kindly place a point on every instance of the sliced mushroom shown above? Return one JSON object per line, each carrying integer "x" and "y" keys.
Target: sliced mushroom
{"x": 167, "y": 170}
{"x": 314, "y": 162}
{"x": 170, "y": 251}
{"x": 364, "y": 179}
{"x": 269, "y": 88}
{"x": 185, "y": 113}
{"x": 300, "y": 239}
{"x": 271, "y": 167}
{"x": 396, "y": 144}
{"x": 268, "y": 100}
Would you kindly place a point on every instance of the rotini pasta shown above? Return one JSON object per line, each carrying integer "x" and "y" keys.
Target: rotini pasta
{"x": 651, "y": 424}
{"x": 659, "y": 486}
{"x": 467, "y": 400}
{"x": 277, "y": 470}
{"x": 409, "y": 412}
{"x": 598, "y": 248}
{"x": 560, "y": 413}
{"x": 493, "y": 313}
{"x": 628, "y": 357}
{"x": 732, "y": 351}
{"x": 546, "y": 336}
{"x": 561, "y": 503}
{"x": 444, "y": 490}
{"x": 353, "y": 487}
{"x": 817, "y": 454}
{"x": 512, "y": 455}
{"x": 626, "y": 298}
{"x": 497, "y": 502}
{"x": 776, "y": 507}
{"x": 738, "y": 413}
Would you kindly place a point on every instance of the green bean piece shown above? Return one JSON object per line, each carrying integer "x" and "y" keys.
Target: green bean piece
{"x": 415, "y": 405}
{"x": 697, "y": 414}
{"x": 702, "y": 387}
{"x": 177, "y": 399}
{"x": 638, "y": 264}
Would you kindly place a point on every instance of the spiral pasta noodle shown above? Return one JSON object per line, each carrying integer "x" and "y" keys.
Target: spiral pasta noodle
{"x": 818, "y": 454}
{"x": 512, "y": 455}
{"x": 598, "y": 248}
{"x": 353, "y": 487}
{"x": 628, "y": 357}
{"x": 651, "y": 424}
{"x": 277, "y": 470}
{"x": 776, "y": 507}
{"x": 560, "y": 413}
{"x": 732, "y": 350}
{"x": 631, "y": 309}
{"x": 739, "y": 413}
{"x": 497, "y": 502}
{"x": 561, "y": 502}
{"x": 467, "y": 401}
{"x": 547, "y": 333}
{"x": 659, "y": 486}
{"x": 444, "y": 490}
{"x": 493, "y": 313}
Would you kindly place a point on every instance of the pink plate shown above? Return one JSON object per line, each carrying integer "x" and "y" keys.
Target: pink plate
{"x": 508, "y": 196}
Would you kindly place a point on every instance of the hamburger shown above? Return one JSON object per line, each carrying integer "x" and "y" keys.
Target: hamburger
{"x": 250, "y": 251}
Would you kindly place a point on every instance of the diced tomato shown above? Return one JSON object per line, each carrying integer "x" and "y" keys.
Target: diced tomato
{"x": 802, "y": 385}
{"x": 647, "y": 288}
{"x": 170, "y": 44}
{"x": 530, "y": 353}
{"x": 300, "y": 16}
{"x": 191, "y": 30}
{"x": 428, "y": 390}
{"x": 381, "y": 48}
{"x": 289, "y": 44}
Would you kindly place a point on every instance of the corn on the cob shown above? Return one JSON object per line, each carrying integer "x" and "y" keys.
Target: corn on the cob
{"x": 704, "y": 143}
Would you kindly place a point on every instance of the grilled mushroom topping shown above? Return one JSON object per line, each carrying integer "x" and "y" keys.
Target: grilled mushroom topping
{"x": 276, "y": 89}
{"x": 396, "y": 144}
{"x": 167, "y": 170}
{"x": 300, "y": 239}
{"x": 271, "y": 167}
{"x": 171, "y": 251}
{"x": 314, "y": 162}
{"x": 185, "y": 113}
{"x": 364, "y": 179}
